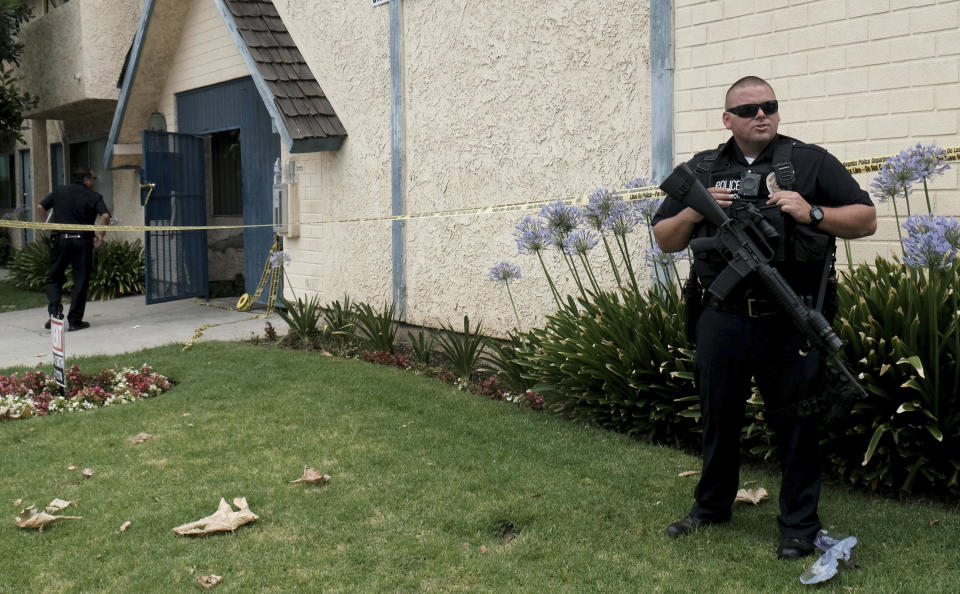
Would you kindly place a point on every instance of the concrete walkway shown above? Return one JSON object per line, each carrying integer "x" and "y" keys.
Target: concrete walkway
{"x": 126, "y": 325}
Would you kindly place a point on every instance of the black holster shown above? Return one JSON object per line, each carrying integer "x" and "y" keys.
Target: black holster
{"x": 693, "y": 298}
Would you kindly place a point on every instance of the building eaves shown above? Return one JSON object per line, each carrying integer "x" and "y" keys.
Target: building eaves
{"x": 282, "y": 76}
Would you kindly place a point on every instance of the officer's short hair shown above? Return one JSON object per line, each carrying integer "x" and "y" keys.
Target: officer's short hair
{"x": 80, "y": 173}
{"x": 746, "y": 81}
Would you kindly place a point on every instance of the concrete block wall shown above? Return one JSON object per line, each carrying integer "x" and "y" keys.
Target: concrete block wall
{"x": 862, "y": 78}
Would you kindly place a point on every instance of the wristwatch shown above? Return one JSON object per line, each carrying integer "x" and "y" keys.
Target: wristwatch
{"x": 816, "y": 216}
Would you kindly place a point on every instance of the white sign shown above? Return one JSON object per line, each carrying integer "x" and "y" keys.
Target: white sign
{"x": 59, "y": 352}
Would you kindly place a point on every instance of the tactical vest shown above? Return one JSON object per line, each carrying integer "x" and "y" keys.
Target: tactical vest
{"x": 802, "y": 254}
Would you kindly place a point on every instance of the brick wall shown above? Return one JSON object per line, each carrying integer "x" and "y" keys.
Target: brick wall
{"x": 859, "y": 77}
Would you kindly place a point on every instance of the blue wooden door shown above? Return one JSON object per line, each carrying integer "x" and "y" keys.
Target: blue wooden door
{"x": 232, "y": 105}
{"x": 175, "y": 261}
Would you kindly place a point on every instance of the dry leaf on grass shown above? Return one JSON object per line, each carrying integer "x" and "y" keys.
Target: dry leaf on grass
{"x": 71, "y": 467}
{"x": 140, "y": 438}
{"x": 688, "y": 473}
{"x": 310, "y": 475}
{"x": 209, "y": 581}
{"x": 753, "y": 496}
{"x": 18, "y": 502}
{"x": 223, "y": 520}
{"x": 31, "y": 518}
{"x": 87, "y": 472}
{"x": 124, "y": 526}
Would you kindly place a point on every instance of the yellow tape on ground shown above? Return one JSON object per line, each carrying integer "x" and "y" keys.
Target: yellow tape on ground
{"x": 854, "y": 166}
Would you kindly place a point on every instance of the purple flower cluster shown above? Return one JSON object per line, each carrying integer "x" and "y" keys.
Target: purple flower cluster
{"x": 504, "y": 272}
{"x": 531, "y": 235}
{"x": 624, "y": 220}
{"x": 933, "y": 160}
{"x": 580, "y": 242}
{"x": 649, "y": 207}
{"x": 278, "y": 259}
{"x": 599, "y": 206}
{"x": 639, "y": 182}
{"x": 932, "y": 241}
{"x": 561, "y": 219}
{"x": 655, "y": 255}
{"x": 901, "y": 171}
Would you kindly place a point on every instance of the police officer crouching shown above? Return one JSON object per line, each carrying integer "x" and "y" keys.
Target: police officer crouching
{"x": 809, "y": 199}
{"x": 73, "y": 204}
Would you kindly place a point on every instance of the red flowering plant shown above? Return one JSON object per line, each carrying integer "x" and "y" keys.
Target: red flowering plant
{"x": 36, "y": 393}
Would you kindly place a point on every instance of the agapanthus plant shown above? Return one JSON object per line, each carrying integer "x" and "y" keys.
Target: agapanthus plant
{"x": 932, "y": 161}
{"x": 661, "y": 260}
{"x": 503, "y": 273}
{"x": 562, "y": 219}
{"x": 532, "y": 238}
{"x": 578, "y": 243}
{"x": 932, "y": 245}
{"x": 601, "y": 205}
{"x": 931, "y": 242}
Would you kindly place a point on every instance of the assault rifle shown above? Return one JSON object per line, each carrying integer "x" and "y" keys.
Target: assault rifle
{"x": 744, "y": 243}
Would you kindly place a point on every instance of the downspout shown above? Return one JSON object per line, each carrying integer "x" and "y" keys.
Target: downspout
{"x": 661, "y": 98}
{"x": 661, "y": 87}
{"x": 396, "y": 155}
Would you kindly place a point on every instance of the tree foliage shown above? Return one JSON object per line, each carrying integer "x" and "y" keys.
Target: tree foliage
{"x": 13, "y": 101}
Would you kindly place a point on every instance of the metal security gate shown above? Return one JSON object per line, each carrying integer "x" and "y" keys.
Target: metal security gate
{"x": 175, "y": 261}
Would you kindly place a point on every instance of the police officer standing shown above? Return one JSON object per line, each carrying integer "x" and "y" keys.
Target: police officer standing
{"x": 73, "y": 204}
{"x": 809, "y": 198}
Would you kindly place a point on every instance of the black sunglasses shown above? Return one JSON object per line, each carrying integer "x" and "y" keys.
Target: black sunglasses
{"x": 748, "y": 110}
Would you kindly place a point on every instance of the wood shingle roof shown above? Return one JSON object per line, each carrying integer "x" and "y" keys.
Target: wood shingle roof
{"x": 301, "y": 103}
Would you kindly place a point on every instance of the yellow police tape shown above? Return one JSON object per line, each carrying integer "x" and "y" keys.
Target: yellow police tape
{"x": 270, "y": 272}
{"x": 855, "y": 166}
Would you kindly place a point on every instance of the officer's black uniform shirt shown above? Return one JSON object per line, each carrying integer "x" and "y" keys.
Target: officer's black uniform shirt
{"x": 75, "y": 204}
{"x": 820, "y": 178}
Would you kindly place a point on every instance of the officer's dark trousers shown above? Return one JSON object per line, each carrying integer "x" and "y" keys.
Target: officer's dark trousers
{"x": 66, "y": 252}
{"x": 731, "y": 348}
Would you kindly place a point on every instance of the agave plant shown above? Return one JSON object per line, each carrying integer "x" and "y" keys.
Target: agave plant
{"x": 379, "y": 327}
{"x": 302, "y": 317}
{"x": 462, "y": 350}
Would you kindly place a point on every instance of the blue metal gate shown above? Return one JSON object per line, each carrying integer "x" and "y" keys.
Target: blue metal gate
{"x": 175, "y": 261}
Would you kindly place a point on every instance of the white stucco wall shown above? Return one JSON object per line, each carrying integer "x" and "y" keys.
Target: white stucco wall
{"x": 74, "y": 53}
{"x": 503, "y": 102}
{"x": 862, "y": 78}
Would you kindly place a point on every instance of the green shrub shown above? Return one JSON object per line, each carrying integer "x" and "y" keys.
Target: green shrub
{"x": 339, "y": 326}
{"x": 302, "y": 318}
{"x": 379, "y": 327}
{"x": 31, "y": 265}
{"x": 900, "y": 327}
{"x": 462, "y": 350}
{"x": 506, "y": 361}
{"x": 621, "y": 362}
{"x": 117, "y": 269}
{"x": 422, "y": 345}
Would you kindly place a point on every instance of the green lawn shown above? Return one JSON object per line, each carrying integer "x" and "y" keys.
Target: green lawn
{"x": 12, "y": 298}
{"x": 432, "y": 490}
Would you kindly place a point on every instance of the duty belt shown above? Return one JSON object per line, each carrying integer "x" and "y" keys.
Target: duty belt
{"x": 751, "y": 307}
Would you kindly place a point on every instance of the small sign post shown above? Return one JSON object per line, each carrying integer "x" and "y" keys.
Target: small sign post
{"x": 59, "y": 352}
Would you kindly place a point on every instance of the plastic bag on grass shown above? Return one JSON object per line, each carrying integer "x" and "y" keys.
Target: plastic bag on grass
{"x": 836, "y": 548}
